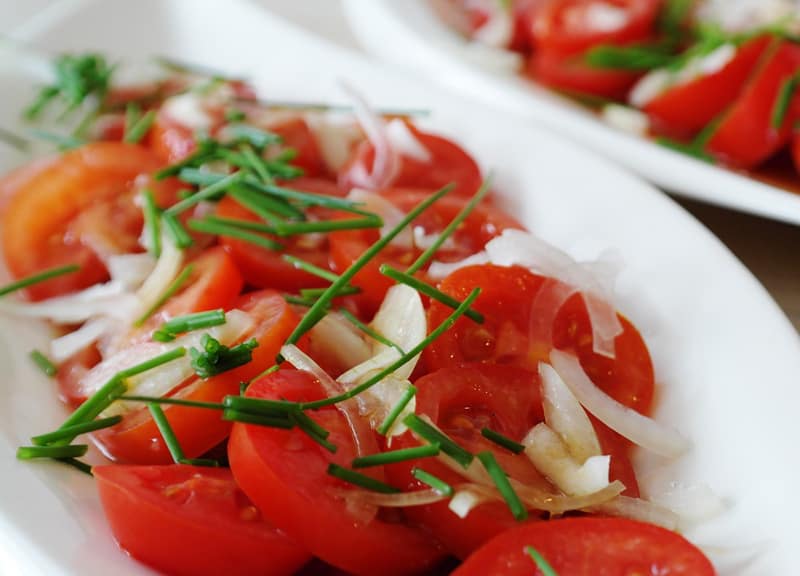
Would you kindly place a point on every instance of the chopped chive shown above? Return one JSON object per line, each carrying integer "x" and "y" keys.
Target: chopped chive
{"x": 264, "y": 205}
{"x": 233, "y": 115}
{"x": 154, "y": 362}
{"x": 14, "y": 140}
{"x": 310, "y": 268}
{"x": 171, "y": 290}
{"x": 313, "y": 430}
{"x": 43, "y": 363}
{"x": 138, "y": 130}
{"x": 300, "y": 300}
{"x": 76, "y": 430}
{"x": 199, "y": 177}
{"x": 180, "y": 237}
{"x": 437, "y": 484}
{"x": 132, "y": 113}
{"x": 256, "y": 164}
{"x": 64, "y": 142}
{"x": 637, "y": 57}
{"x": 318, "y": 309}
{"x": 172, "y": 401}
{"x": 167, "y": 433}
{"x": 314, "y": 293}
{"x": 502, "y": 440}
{"x": 542, "y": 564}
{"x": 451, "y": 227}
{"x": 70, "y": 451}
{"x": 210, "y": 226}
{"x": 37, "y": 278}
{"x": 256, "y": 137}
{"x": 431, "y": 434}
{"x": 195, "y": 321}
{"x": 500, "y": 479}
{"x": 95, "y": 404}
{"x": 208, "y": 462}
{"x": 204, "y": 153}
{"x": 428, "y": 290}
{"x": 393, "y": 456}
{"x": 438, "y": 331}
{"x": 259, "y": 405}
{"x": 688, "y": 149}
{"x": 784, "y": 100}
{"x": 162, "y": 336}
{"x": 215, "y": 358}
{"x": 397, "y": 409}
{"x": 233, "y": 415}
{"x": 77, "y": 464}
{"x": 206, "y": 193}
{"x": 152, "y": 222}
{"x": 360, "y": 480}
{"x": 374, "y": 334}
{"x": 237, "y": 224}
{"x": 291, "y": 229}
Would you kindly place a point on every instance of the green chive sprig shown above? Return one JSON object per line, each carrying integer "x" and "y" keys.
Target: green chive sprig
{"x": 171, "y": 290}
{"x": 189, "y": 323}
{"x": 542, "y": 564}
{"x": 360, "y": 480}
{"x": 502, "y": 440}
{"x": 432, "y": 435}
{"x": 437, "y": 484}
{"x": 498, "y": 476}
{"x": 43, "y": 363}
{"x": 394, "y": 456}
{"x": 215, "y": 358}
{"x": 397, "y": 409}
{"x": 38, "y": 278}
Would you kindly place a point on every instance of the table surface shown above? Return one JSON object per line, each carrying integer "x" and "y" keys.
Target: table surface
{"x": 766, "y": 247}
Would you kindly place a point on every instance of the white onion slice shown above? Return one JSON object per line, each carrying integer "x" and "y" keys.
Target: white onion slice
{"x": 439, "y": 270}
{"x": 464, "y": 501}
{"x": 188, "y": 109}
{"x": 638, "y": 509}
{"x": 337, "y": 340}
{"x": 639, "y": 429}
{"x": 405, "y": 142}
{"x": 167, "y": 268}
{"x": 130, "y": 270}
{"x": 399, "y": 500}
{"x": 336, "y": 137}
{"x": 693, "y": 503}
{"x": 498, "y": 31}
{"x": 108, "y": 299}
{"x": 73, "y": 342}
{"x": 389, "y": 213}
{"x": 565, "y": 415}
{"x": 550, "y": 456}
{"x": 401, "y": 319}
{"x": 627, "y": 119}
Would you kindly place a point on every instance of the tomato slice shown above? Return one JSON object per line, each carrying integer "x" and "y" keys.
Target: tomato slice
{"x": 298, "y": 135}
{"x": 484, "y": 223}
{"x": 507, "y": 302}
{"x": 266, "y": 268}
{"x": 569, "y": 27}
{"x": 186, "y": 520}
{"x": 75, "y": 208}
{"x": 169, "y": 139}
{"x": 589, "y": 547}
{"x": 448, "y": 163}
{"x": 746, "y": 137}
{"x": 137, "y": 438}
{"x": 688, "y": 107}
{"x": 284, "y": 473}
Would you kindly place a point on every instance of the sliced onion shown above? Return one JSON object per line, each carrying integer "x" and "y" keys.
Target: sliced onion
{"x": 639, "y": 429}
{"x": 465, "y": 500}
{"x": 336, "y": 339}
{"x": 401, "y": 319}
{"x": 638, "y": 509}
{"x": 627, "y": 119}
{"x": 550, "y": 456}
{"x": 167, "y": 268}
{"x": 130, "y": 270}
{"x": 565, "y": 415}
{"x": 389, "y": 213}
{"x": 498, "y": 31}
{"x": 405, "y": 143}
{"x": 189, "y": 110}
{"x": 73, "y": 342}
{"x": 336, "y": 137}
{"x": 439, "y": 270}
{"x": 400, "y": 500}
{"x": 693, "y": 503}
{"x": 109, "y": 299}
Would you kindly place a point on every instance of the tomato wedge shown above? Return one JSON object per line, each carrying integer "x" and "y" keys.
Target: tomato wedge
{"x": 297, "y": 135}
{"x": 137, "y": 438}
{"x": 589, "y": 547}
{"x": 284, "y": 473}
{"x": 75, "y": 208}
{"x": 506, "y": 337}
{"x": 572, "y": 75}
{"x": 186, "y": 520}
{"x": 169, "y": 139}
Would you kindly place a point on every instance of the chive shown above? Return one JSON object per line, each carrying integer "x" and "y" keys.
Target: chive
{"x": 95, "y": 404}
{"x": 638, "y": 57}
{"x": 300, "y": 300}
{"x": 438, "y": 331}
{"x": 500, "y": 479}
{"x": 264, "y": 206}
{"x": 77, "y": 464}
{"x": 542, "y": 564}
{"x": 360, "y": 480}
{"x": 318, "y": 309}
{"x": 314, "y": 293}
{"x": 313, "y": 430}
{"x": 207, "y": 462}
{"x": 259, "y": 405}
{"x": 14, "y": 140}
{"x": 674, "y": 14}
{"x": 161, "y": 336}
{"x": 210, "y": 226}
{"x": 270, "y": 370}
{"x": 688, "y": 149}
{"x": 237, "y": 224}
{"x": 233, "y": 415}
{"x": 37, "y": 278}
{"x": 451, "y": 227}
{"x": 784, "y": 100}
{"x": 152, "y": 222}
{"x": 177, "y": 233}
{"x": 437, "y": 484}
{"x": 215, "y": 358}
{"x": 206, "y": 149}
{"x": 374, "y": 334}
{"x": 310, "y": 268}
{"x": 502, "y": 440}
{"x": 235, "y": 115}
{"x": 394, "y": 456}
{"x": 259, "y": 139}
{"x": 206, "y": 193}
{"x": 172, "y": 401}
{"x": 371, "y": 221}
{"x": 195, "y": 321}
{"x": 428, "y": 290}
{"x": 171, "y": 290}
{"x": 256, "y": 164}
{"x": 132, "y": 113}
{"x": 167, "y": 433}
{"x": 140, "y": 128}
{"x": 64, "y": 142}
{"x": 71, "y": 451}
{"x": 43, "y": 363}
{"x": 434, "y": 436}
{"x": 397, "y": 409}
{"x": 71, "y": 432}
{"x": 199, "y": 177}
{"x": 309, "y": 198}
{"x": 154, "y": 362}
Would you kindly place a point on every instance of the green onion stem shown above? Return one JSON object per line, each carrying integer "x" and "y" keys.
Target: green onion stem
{"x": 39, "y": 277}
{"x": 140, "y": 128}
{"x": 152, "y": 222}
{"x": 195, "y": 321}
{"x": 360, "y": 480}
{"x": 397, "y": 409}
{"x": 43, "y": 363}
{"x": 172, "y": 401}
{"x": 70, "y": 451}
{"x": 431, "y": 434}
{"x": 382, "y": 458}
{"x": 437, "y": 484}
{"x": 233, "y": 415}
{"x": 177, "y": 233}
{"x": 216, "y": 226}
{"x": 167, "y": 433}
{"x": 206, "y": 193}
{"x": 500, "y": 479}
{"x": 374, "y": 334}
{"x": 71, "y": 432}
{"x": 502, "y": 440}
{"x": 542, "y": 564}
{"x": 310, "y": 268}
{"x": 171, "y": 290}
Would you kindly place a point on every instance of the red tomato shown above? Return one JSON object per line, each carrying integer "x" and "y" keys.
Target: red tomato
{"x": 71, "y": 372}
{"x": 589, "y": 547}
{"x": 137, "y": 439}
{"x": 265, "y": 268}
{"x": 570, "y": 27}
{"x": 687, "y": 108}
{"x": 746, "y": 136}
{"x": 19, "y": 178}
{"x": 297, "y": 135}
{"x": 171, "y": 140}
{"x": 506, "y": 301}
{"x": 76, "y": 208}
{"x": 449, "y": 163}
{"x": 796, "y": 150}
{"x": 571, "y": 74}
{"x": 193, "y": 521}
{"x": 484, "y": 223}
{"x": 284, "y": 473}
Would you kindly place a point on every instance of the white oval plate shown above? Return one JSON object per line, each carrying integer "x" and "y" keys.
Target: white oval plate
{"x": 726, "y": 356}
{"x": 409, "y": 33}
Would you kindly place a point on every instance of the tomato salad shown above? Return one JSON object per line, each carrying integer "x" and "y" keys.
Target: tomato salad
{"x": 306, "y": 334}
{"x": 671, "y": 70}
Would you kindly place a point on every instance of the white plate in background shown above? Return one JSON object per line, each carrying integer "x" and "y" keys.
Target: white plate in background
{"x": 410, "y": 34}
{"x": 724, "y": 353}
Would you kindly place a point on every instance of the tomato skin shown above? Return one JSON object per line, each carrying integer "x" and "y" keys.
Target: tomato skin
{"x": 298, "y": 135}
{"x": 137, "y": 438}
{"x": 170, "y": 140}
{"x": 52, "y": 217}
{"x": 687, "y": 108}
{"x": 187, "y": 520}
{"x": 589, "y": 547}
{"x": 570, "y": 74}
{"x": 796, "y": 151}
{"x": 746, "y": 137}
{"x": 16, "y": 180}
{"x": 293, "y": 490}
